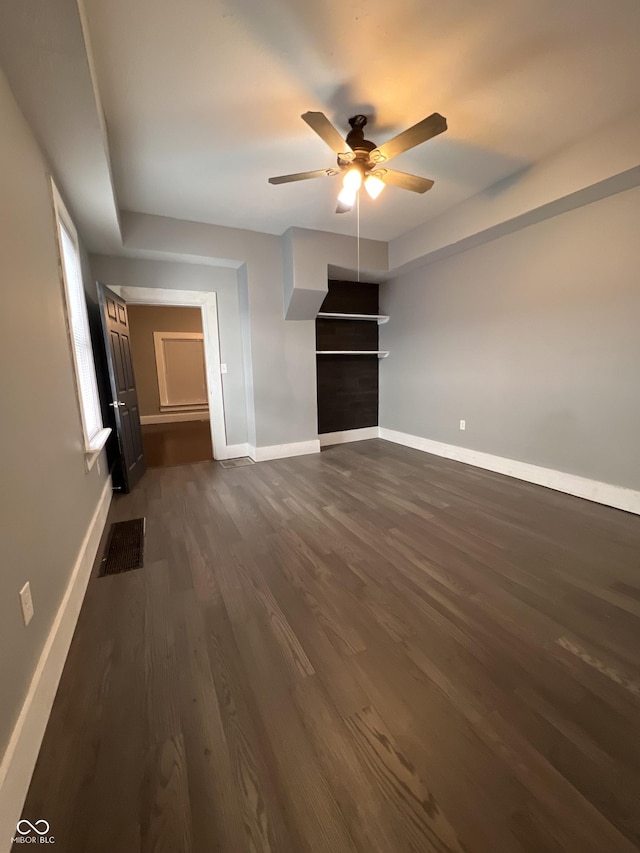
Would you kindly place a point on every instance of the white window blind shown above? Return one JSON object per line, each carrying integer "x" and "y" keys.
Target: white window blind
{"x": 79, "y": 331}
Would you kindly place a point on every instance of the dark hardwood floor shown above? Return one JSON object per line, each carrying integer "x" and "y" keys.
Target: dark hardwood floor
{"x": 369, "y": 649}
{"x": 182, "y": 443}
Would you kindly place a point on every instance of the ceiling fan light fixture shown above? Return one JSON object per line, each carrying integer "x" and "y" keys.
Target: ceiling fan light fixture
{"x": 373, "y": 186}
{"x": 352, "y": 180}
{"x": 347, "y": 196}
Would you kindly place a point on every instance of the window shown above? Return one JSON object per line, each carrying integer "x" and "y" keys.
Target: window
{"x": 95, "y": 435}
{"x": 181, "y": 370}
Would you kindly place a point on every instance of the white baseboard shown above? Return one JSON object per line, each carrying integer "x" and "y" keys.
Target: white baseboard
{"x": 233, "y": 451}
{"x": 348, "y": 435}
{"x": 281, "y": 451}
{"x": 592, "y": 490}
{"x": 20, "y": 757}
{"x": 174, "y": 417}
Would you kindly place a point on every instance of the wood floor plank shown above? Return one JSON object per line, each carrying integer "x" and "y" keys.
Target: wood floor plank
{"x": 426, "y": 827}
{"x": 216, "y": 810}
{"x": 308, "y": 801}
{"x": 181, "y": 443}
{"x": 372, "y": 824}
{"x": 165, "y": 806}
{"x": 250, "y": 748}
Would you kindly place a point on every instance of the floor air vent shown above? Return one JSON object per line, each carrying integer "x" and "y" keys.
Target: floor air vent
{"x": 125, "y": 548}
{"x": 236, "y": 463}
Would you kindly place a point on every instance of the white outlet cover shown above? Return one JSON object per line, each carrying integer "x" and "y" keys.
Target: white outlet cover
{"x": 463, "y": 424}
{"x": 26, "y": 602}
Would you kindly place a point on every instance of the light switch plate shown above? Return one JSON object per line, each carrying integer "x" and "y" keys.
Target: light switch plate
{"x": 463, "y": 424}
{"x": 223, "y": 368}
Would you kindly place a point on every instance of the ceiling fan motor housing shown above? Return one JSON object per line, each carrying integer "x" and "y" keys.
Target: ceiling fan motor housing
{"x": 360, "y": 146}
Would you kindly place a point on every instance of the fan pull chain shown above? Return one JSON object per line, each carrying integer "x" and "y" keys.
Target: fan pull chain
{"x": 358, "y": 229}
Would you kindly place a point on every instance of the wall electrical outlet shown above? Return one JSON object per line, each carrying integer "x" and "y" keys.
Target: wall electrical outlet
{"x": 26, "y": 602}
{"x": 223, "y": 368}
{"x": 463, "y": 424}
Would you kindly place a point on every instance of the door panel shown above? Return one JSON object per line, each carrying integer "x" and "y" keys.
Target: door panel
{"x": 115, "y": 324}
{"x": 127, "y": 362}
{"x": 136, "y": 432}
{"x": 116, "y": 350}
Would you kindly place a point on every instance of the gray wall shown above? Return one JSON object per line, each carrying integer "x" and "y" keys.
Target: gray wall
{"x": 134, "y": 272}
{"x": 48, "y": 498}
{"x": 279, "y": 354}
{"x": 533, "y": 339}
{"x": 282, "y": 368}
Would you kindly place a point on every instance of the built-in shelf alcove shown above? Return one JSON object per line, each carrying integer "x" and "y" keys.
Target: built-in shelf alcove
{"x": 347, "y": 356}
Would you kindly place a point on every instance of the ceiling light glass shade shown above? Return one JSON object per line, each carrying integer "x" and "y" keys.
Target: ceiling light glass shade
{"x": 347, "y": 197}
{"x": 352, "y": 180}
{"x": 373, "y": 186}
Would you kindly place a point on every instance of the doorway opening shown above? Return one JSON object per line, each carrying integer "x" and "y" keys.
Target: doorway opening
{"x": 206, "y": 302}
{"x": 167, "y": 343}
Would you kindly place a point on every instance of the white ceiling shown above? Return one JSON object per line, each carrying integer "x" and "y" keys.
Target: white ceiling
{"x": 203, "y": 97}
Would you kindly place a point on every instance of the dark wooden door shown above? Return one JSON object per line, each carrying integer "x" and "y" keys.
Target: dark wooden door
{"x": 124, "y": 397}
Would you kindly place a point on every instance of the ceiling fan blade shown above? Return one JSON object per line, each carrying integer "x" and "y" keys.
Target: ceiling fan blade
{"x": 425, "y": 129}
{"x": 327, "y": 132}
{"x": 303, "y": 176}
{"x": 404, "y": 181}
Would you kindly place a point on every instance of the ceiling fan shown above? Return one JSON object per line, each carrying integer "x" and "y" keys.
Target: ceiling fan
{"x": 362, "y": 162}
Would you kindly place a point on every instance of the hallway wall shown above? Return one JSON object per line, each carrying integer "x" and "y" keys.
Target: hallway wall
{"x": 48, "y": 496}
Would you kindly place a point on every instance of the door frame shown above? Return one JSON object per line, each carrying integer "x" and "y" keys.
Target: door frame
{"x": 208, "y": 303}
